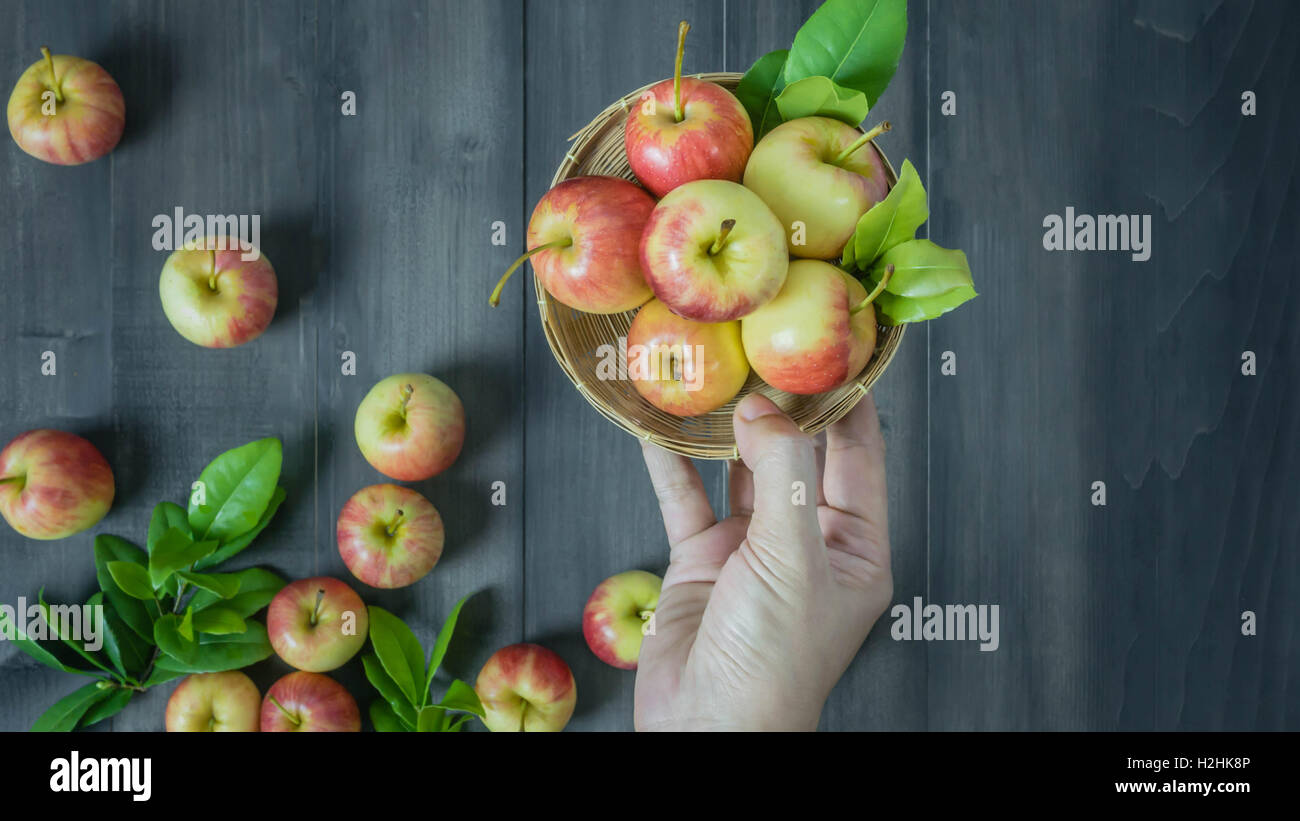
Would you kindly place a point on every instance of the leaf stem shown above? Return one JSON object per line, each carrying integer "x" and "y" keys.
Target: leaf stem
{"x": 495, "y": 299}
{"x": 861, "y": 141}
{"x": 723, "y": 232}
{"x": 679, "y": 112}
{"x": 55, "y": 85}
{"x": 880, "y": 286}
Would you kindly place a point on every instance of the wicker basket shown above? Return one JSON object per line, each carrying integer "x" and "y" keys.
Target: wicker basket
{"x": 575, "y": 337}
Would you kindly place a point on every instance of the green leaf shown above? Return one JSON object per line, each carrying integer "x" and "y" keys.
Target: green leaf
{"x": 34, "y": 649}
{"x": 856, "y": 43}
{"x": 118, "y": 699}
{"x": 219, "y": 621}
{"x": 172, "y": 640}
{"x": 223, "y": 585}
{"x": 821, "y": 97}
{"x": 431, "y": 720}
{"x": 457, "y": 724}
{"x": 898, "y": 310}
{"x": 758, "y": 91}
{"x": 256, "y": 589}
{"x": 167, "y": 515}
{"x": 132, "y": 611}
{"x": 928, "y": 281}
{"x": 399, "y": 652}
{"x": 174, "y": 551}
{"x": 237, "y": 544}
{"x": 161, "y": 675}
{"x": 67, "y": 711}
{"x": 444, "y": 639}
{"x": 381, "y": 681}
{"x": 237, "y": 487}
{"x": 128, "y": 652}
{"x": 381, "y": 715}
{"x": 890, "y": 222}
{"x": 460, "y": 696}
{"x": 131, "y": 579}
{"x": 218, "y": 653}
{"x": 57, "y": 623}
{"x": 186, "y": 627}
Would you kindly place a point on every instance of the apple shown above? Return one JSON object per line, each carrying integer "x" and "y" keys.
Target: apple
{"x": 309, "y": 703}
{"x": 215, "y": 703}
{"x": 687, "y": 129}
{"x": 618, "y": 610}
{"x": 317, "y": 624}
{"x": 712, "y": 251}
{"x": 53, "y": 484}
{"x": 582, "y": 240}
{"x": 410, "y": 427}
{"x": 389, "y": 536}
{"x": 216, "y": 298}
{"x": 66, "y": 110}
{"x": 819, "y": 176}
{"x": 526, "y": 688}
{"x": 683, "y": 367}
{"x": 817, "y": 334}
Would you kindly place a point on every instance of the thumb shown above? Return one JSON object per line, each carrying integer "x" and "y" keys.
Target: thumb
{"x": 784, "y": 525}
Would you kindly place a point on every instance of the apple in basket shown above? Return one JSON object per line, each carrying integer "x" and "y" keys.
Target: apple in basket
{"x": 683, "y": 367}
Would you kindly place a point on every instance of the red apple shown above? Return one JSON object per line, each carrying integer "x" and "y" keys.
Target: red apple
{"x": 817, "y": 334}
{"x": 526, "y": 688}
{"x": 712, "y": 251}
{"x": 215, "y": 703}
{"x": 682, "y": 367}
{"x": 79, "y": 120}
{"x": 216, "y": 298}
{"x": 53, "y": 484}
{"x": 687, "y": 129}
{"x": 582, "y": 239}
{"x": 410, "y": 427}
{"x": 617, "y": 612}
{"x": 309, "y": 703}
{"x": 389, "y": 536}
{"x": 317, "y": 624}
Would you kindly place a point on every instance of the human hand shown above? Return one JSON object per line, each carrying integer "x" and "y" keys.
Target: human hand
{"x": 761, "y": 613}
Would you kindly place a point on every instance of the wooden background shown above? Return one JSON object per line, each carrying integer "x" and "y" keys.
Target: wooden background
{"x": 1071, "y": 367}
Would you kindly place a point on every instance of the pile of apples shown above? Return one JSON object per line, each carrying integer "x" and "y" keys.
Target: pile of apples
{"x": 727, "y": 268}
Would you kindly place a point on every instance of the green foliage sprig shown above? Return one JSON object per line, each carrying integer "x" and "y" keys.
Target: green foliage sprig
{"x": 164, "y": 615}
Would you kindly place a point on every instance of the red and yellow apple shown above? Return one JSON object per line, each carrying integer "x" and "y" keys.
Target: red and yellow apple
{"x": 309, "y": 703}
{"x": 526, "y": 688}
{"x": 616, "y": 614}
{"x": 317, "y": 624}
{"x": 817, "y": 334}
{"x": 582, "y": 240}
{"x": 53, "y": 484}
{"x": 215, "y": 297}
{"x": 215, "y": 703}
{"x": 686, "y": 129}
{"x": 66, "y": 110}
{"x": 389, "y": 536}
{"x": 819, "y": 176}
{"x": 410, "y": 427}
{"x": 683, "y": 367}
{"x": 712, "y": 251}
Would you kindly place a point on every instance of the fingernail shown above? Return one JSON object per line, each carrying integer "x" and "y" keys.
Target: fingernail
{"x": 756, "y": 406}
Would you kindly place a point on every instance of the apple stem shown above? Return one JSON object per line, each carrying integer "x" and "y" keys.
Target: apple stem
{"x": 678, "y": 112}
{"x": 11, "y": 479}
{"x": 723, "y": 231}
{"x": 212, "y": 280}
{"x": 315, "y": 611}
{"x": 861, "y": 141}
{"x": 495, "y": 299}
{"x": 875, "y": 292}
{"x": 392, "y": 528}
{"x": 297, "y": 722}
{"x": 54, "y": 81}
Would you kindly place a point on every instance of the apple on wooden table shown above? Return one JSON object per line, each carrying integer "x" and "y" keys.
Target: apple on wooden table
{"x": 317, "y": 624}
{"x": 389, "y": 536}
{"x": 616, "y": 616}
{"x": 215, "y": 703}
{"x": 214, "y": 297}
{"x": 309, "y": 703}
{"x": 683, "y": 367}
{"x": 53, "y": 484}
{"x": 526, "y": 688}
{"x": 66, "y": 110}
{"x": 410, "y": 427}
{"x": 713, "y": 251}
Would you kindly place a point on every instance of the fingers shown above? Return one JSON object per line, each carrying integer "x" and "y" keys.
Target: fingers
{"x": 740, "y": 489}
{"x": 784, "y": 468}
{"x": 854, "y": 481}
{"x": 682, "y": 500}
